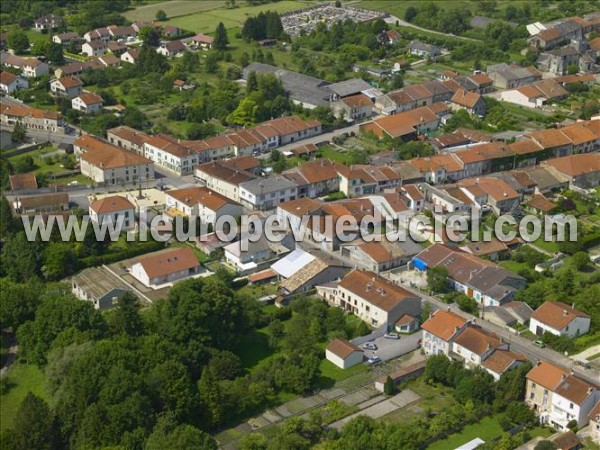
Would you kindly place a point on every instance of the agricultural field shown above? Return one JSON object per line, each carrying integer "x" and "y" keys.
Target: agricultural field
{"x": 173, "y": 9}
{"x": 208, "y": 14}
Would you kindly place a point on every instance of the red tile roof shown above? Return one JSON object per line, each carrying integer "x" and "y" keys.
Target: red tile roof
{"x": 168, "y": 262}
{"x": 444, "y": 324}
{"x": 556, "y": 314}
{"x": 111, "y": 204}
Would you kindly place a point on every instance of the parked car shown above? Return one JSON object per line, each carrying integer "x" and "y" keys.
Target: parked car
{"x": 391, "y": 336}
{"x": 373, "y": 360}
{"x": 584, "y": 364}
{"x": 539, "y": 343}
{"x": 370, "y": 346}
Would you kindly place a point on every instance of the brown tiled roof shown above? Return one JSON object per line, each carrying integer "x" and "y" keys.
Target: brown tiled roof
{"x": 579, "y": 134}
{"x": 549, "y": 138}
{"x": 466, "y": 99}
{"x": 130, "y": 134}
{"x": 405, "y": 320}
{"x": 200, "y": 195}
{"x": 485, "y": 248}
{"x": 556, "y": 314}
{"x": 412, "y": 191}
{"x": 477, "y": 340}
{"x": 7, "y": 78}
{"x": 12, "y": 109}
{"x": 538, "y": 201}
{"x": 305, "y": 149}
{"x": 546, "y": 375}
{"x": 111, "y": 204}
{"x": 70, "y": 82}
{"x": 304, "y": 275}
{"x": 300, "y": 206}
{"x": 396, "y": 201}
{"x": 376, "y": 290}
{"x": 483, "y": 152}
{"x": 403, "y": 123}
{"x": 203, "y": 38}
{"x": 342, "y": 348}
{"x": 169, "y": 145}
{"x": 23, "y": 181}
{"x": 495, "y": 188}
{"x": 500, "y": 360}
{"x": 567, "y": 441}
{"x": 313, "y": 172}
{"x": 168, "y": 262}
{"x": 36, "y": 201}
{"x": 432, "y": 163}
{"x": 106, "y": 156}
{"x": 221, "y": 171}
{"x": 444, "y": 324}
{"x": 246, "y": 162}
{"x": 481, "y": 79}
{"x": 576, "y": 165}
{"x": 575, "y": 389}
{"x": 89, "y": 98}
{"x": 524, "y": 146}
{"x": 266, "y": 274}
{"x": 357, "y": 101}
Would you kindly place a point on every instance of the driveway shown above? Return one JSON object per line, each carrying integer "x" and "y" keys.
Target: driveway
{"x": 391, "y": 348}
{"x": 393, "y": 20}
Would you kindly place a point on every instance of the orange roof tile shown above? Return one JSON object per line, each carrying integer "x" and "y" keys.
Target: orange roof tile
{"x": 200, "y": 195}
{"x": 342, "y": 348}
{"x": 168, "y": 262}
{"x": 444, "y": 324}
{"x": 547, "y": 375}
{"x": 111, "y": 204}
{"x": 556, "y": 314}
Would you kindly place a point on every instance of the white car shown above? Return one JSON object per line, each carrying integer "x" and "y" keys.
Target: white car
{"x": 370, "y": 346}
{"x": 373, "y": 360}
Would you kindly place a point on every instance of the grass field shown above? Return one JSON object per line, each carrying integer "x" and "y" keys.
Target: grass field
{"x": 207, "y": 19}
{"x": 174, "y": 8}
{"x": 487, "y": 429}
{"x": 22, "y": 378}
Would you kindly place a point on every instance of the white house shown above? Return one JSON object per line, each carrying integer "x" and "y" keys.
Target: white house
{"x": 166, "y": 267}
{"x": 171, "y": 154}
{"x": 500, "y": 361}
{"x": 375, "y": 300}
{"x": 94, "y": 48}
{"x": 559, "y": 319}
{"x": 440, "y": 330}
{"x": 573, "y": 399}
{"x": 343, "y": 353}
{"x": 29, "y": 67}
{"x": 87, "y": 102}
{"x": 68, "y": 87}
{"x": 131, "y": 56}
{"x": 200, "y": 202}
{"x": 10, "y": 83}
{"x": 113, "y": 209}
{"x": 474, "y": 345}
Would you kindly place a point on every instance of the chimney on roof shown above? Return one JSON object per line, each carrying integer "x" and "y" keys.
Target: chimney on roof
{"x": 565, "y": 312}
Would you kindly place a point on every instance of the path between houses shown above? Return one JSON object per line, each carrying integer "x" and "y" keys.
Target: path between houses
{"x": 393, "y": 20}
{"x": 11, "y": 354}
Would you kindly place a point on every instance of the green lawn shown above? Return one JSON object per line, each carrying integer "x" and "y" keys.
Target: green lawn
{"x": 174, "y": 8}
{"x": 202, "y": 257}
{"x": 254, "y": 348}
{"x": 331, "y": 373}
{"x": 255, "y": 292}
{"x": 335, "y": 154}
{"x": 514, "y": 266}
{"x": 22, "y": 378}
{"x": 207, "y": 20}
{"x": 487, "y": 429}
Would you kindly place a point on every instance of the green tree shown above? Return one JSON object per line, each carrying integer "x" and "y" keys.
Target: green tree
{"x": 545, "y": 445}
{"x": 253, "y": 441}
{"x": 581, "y": 260}
{"x": 251, "y": 83}
{"x": 210, "y": 396}
{"x": 161, "y": 15}
{"x": 437, "y": 279}
{"x": 168, "y": 435}
{"x": 410, "y": 13}
{"x": 17, "y": 40}
{"x": 436, "y": 368}
{"x": 467, "y": 304}
{"x": 34, "y": 426}
{"x": 20, "y": 258}
{"x": 19, "y": 133}
{"x": 389, "y": 387}
{"x": 126, "y": 317}
{"x": 59, "y": 260}
{"x": 150, "y": 36}
{"x": 221, "y": 40}
{"x": 245, "y": 113}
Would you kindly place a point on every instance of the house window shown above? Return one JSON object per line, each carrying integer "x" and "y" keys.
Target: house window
{"x": 571, "y": 406}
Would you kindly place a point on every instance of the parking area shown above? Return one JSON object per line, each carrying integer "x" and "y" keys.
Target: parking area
{"x": 392, "y": 348}
{"x": 413, "y": 278}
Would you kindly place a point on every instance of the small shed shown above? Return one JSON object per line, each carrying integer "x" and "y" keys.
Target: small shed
{"x": 343, "y": 353}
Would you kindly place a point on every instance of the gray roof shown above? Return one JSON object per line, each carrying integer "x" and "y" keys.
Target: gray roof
{"x": 520, "y": 310}
{"x": 501, "y": 313}
{"x": 302, "y": 88}
{"x": 422, "y": 46}
{"x": 438, "y": 88}
{"x": 465, "y": 82}
{"x": 497, "y": 282}
{"x": 349, "y": 87}
{"x": 98, "y": 281}
{"x": 564, "y": 51}
{"x": 260, "y": 186}
{"x": 544, "y": 179}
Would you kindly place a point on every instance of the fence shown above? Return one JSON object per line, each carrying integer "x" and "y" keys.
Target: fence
{"x": 24, "y": 149}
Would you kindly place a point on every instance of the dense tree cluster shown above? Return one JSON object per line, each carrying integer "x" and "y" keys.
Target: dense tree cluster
{"x": 266, "y": 25}
{"x": 431, "y": 16}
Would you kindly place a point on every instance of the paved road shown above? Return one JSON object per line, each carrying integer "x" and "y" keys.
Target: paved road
{"x": 393, "y": 20}
{"x": 391, "y": 348}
